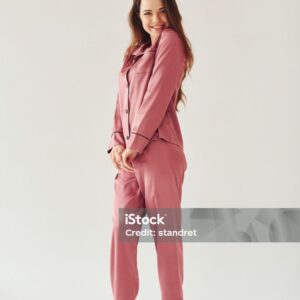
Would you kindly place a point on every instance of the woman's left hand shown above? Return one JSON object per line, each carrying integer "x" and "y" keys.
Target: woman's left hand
{"x": 127, "y": 156}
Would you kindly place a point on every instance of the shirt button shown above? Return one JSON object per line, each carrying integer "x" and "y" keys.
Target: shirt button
{"x": 127, "y": 137}
{"x": 126, "y": 111}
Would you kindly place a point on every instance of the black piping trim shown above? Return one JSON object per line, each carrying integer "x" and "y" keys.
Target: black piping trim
{"x": 116, "y": 132}
{"x": 171, "y": 143}
{"x": 141, "y": 135}
{"x": 128, "y": 106}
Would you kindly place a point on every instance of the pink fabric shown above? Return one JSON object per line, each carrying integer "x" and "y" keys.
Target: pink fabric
{"x": 156, "y": 77}
{"x": 145, "y": 120}
{"x": 156, "y": 183}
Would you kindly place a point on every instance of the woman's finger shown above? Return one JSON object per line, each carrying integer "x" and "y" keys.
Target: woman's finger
{"x": 116, "y": 164}
{"x": 126, "y": 168}
{"x": 118, "y": 158}
{"x": 126, "y": 164}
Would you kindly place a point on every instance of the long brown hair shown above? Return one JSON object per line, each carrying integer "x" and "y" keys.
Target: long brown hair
{"x": 140, "y": 36}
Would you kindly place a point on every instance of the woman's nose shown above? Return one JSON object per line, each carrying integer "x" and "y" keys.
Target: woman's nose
{"x": 156, "y": 19}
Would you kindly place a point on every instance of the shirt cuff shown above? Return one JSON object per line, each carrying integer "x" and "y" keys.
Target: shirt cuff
{"x": 137, "y": 142}
{"x": 117, "y": 138}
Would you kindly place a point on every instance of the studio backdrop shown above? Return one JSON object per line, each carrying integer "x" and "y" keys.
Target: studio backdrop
{"x": 58, "y": 84}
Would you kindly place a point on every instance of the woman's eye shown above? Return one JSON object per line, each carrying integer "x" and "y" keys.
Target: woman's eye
{"x": 162, "y": 11}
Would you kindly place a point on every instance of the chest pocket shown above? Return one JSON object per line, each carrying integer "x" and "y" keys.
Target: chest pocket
{"x": 145, "y": 62}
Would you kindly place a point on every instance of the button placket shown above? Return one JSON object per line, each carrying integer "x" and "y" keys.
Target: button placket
{"x": 127, "y": 109}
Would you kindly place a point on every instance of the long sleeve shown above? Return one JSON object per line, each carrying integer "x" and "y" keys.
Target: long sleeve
{"x": 167, "y": 72}
{"x": 117, "y": 137}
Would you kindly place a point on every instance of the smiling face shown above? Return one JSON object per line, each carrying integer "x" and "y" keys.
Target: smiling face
{"x": 153, "y": 16}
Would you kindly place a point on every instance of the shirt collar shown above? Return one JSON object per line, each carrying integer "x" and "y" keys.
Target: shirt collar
{"x": 142, "y": 49}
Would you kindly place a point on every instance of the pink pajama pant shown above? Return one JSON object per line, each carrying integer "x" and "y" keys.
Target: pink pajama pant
{"x": 156, "y": 183}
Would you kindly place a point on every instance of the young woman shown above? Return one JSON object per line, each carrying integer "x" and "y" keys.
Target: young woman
{"x": 146, "y": 144}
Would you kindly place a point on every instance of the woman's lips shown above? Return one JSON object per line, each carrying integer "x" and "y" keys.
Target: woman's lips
{"x": 157, "y": 27}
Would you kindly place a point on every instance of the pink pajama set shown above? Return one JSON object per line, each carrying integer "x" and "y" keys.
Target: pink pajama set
{"x": 145, "y": 120}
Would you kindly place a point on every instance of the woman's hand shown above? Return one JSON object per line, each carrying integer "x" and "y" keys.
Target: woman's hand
{"x": 122, "y": 158}
{"x": 116, "y": 155}
{"x": 127, "y": 156}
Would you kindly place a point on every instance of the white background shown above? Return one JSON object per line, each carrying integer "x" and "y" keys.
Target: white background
{"x": 59, "y": 62}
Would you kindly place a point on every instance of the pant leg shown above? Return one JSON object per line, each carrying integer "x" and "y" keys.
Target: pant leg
{"x": 123, "y": 257}
{"x": 160, "y": 174}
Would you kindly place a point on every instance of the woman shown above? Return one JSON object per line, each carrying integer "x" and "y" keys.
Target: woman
{"x": 146, "y": 145}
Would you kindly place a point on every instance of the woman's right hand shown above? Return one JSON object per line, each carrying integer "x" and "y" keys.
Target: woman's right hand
{"x": 116, "y": 155}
